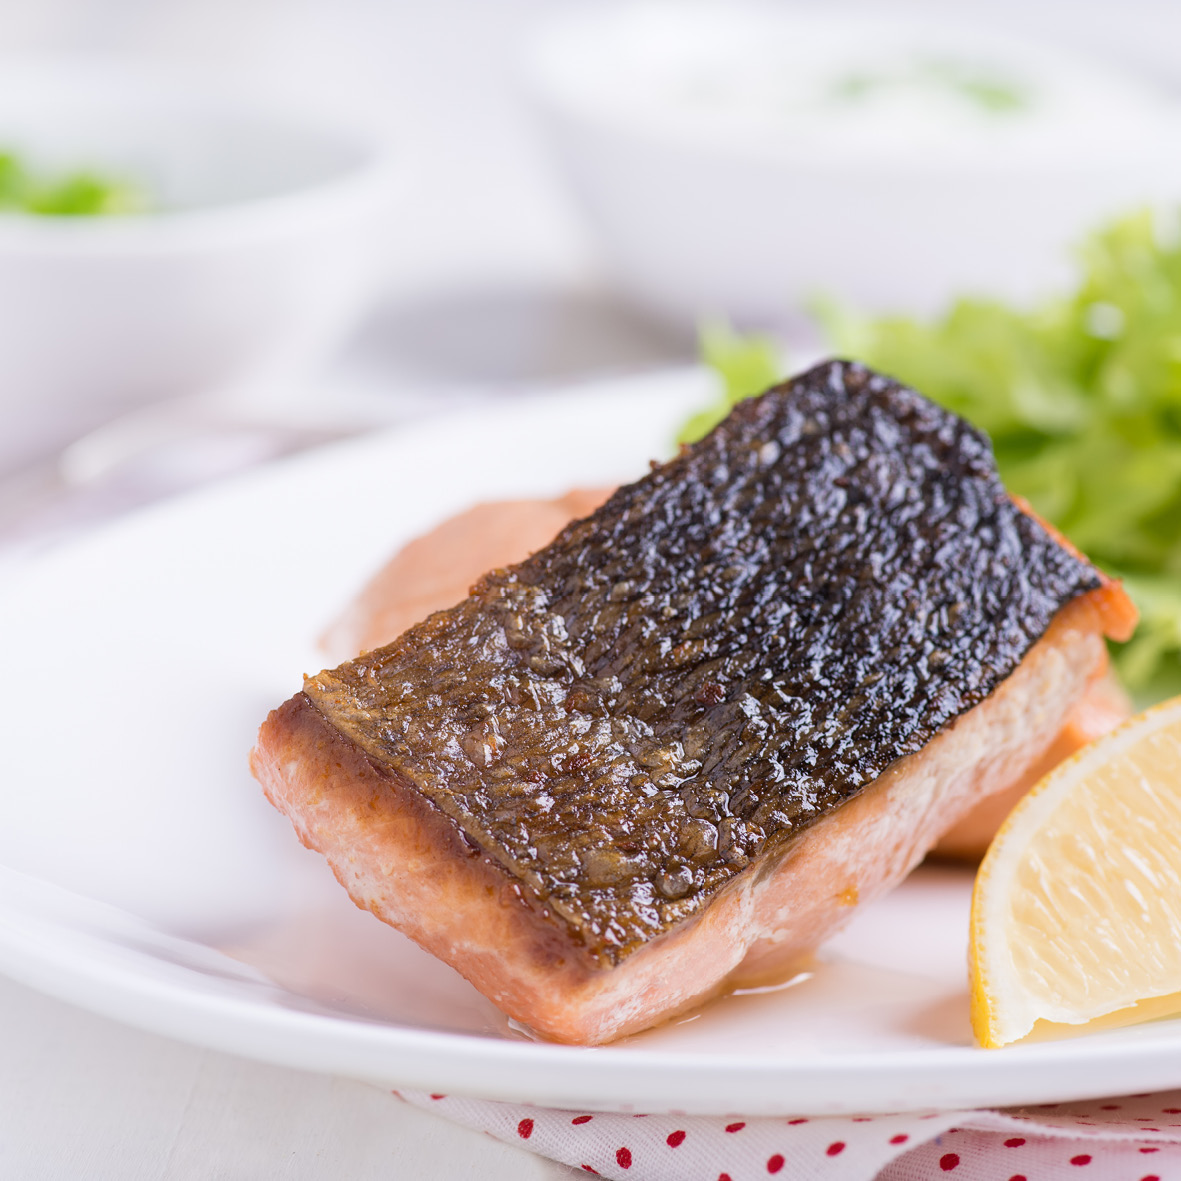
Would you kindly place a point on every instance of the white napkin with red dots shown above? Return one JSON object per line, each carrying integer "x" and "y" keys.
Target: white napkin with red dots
{"x": 1137, "y": 1138}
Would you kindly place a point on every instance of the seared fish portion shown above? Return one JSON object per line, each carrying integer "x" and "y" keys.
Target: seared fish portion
{"x": 672, "y": 750}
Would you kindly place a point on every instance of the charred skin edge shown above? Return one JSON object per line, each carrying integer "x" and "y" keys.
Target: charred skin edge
{"x": 468, "y": 911}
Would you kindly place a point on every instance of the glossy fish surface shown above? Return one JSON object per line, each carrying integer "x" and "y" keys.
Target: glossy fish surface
{"x": 723, "y": 654}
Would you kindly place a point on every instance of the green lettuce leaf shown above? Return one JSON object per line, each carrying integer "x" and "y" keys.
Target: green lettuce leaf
{"x": 746, "y": 365}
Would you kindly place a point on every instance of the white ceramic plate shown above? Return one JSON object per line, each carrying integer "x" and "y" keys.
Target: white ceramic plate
{"x": 143, "y": 876}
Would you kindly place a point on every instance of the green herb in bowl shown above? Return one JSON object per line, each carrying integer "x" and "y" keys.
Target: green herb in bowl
{"x": 1081, "y": 396}
{"x": 74, "y": 194}
{"x": 978, "y": 87}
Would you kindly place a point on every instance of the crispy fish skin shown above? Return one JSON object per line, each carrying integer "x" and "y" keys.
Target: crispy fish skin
{"x": 437, "y": 568}
{"x": 748, "y": 691}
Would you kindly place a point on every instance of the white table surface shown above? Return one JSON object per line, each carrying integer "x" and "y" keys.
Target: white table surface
{"x": 86, "y": 1098}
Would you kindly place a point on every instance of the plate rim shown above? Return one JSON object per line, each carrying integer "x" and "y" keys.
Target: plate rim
{"x": 397, "y": 1056}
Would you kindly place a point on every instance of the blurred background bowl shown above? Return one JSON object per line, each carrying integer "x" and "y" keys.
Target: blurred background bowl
{"x": 253, "y": 260}
{"x": 743, "y": 159}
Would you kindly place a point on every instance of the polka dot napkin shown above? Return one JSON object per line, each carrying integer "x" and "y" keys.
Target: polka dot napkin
{"x": 1131, "y": 1139}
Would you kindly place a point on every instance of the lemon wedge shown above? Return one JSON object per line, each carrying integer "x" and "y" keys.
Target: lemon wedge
{"x": 1076, "y": 913}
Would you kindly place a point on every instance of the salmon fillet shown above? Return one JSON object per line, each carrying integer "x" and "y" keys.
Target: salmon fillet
{"x": 673, "y": 750}
{"x": 1104, "y": 706}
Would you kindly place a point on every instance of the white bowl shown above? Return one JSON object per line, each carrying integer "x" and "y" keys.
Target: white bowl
{"x": 729, "y": 166}
{"x": 259, "y": 256}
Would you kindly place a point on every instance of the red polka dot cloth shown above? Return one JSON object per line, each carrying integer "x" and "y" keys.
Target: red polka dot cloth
{"x": 1137, "y": 1138}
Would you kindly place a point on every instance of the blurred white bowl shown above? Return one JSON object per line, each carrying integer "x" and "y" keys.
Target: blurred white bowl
{"x": 744, "y": 158}
{"x": 259, "y": 255}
